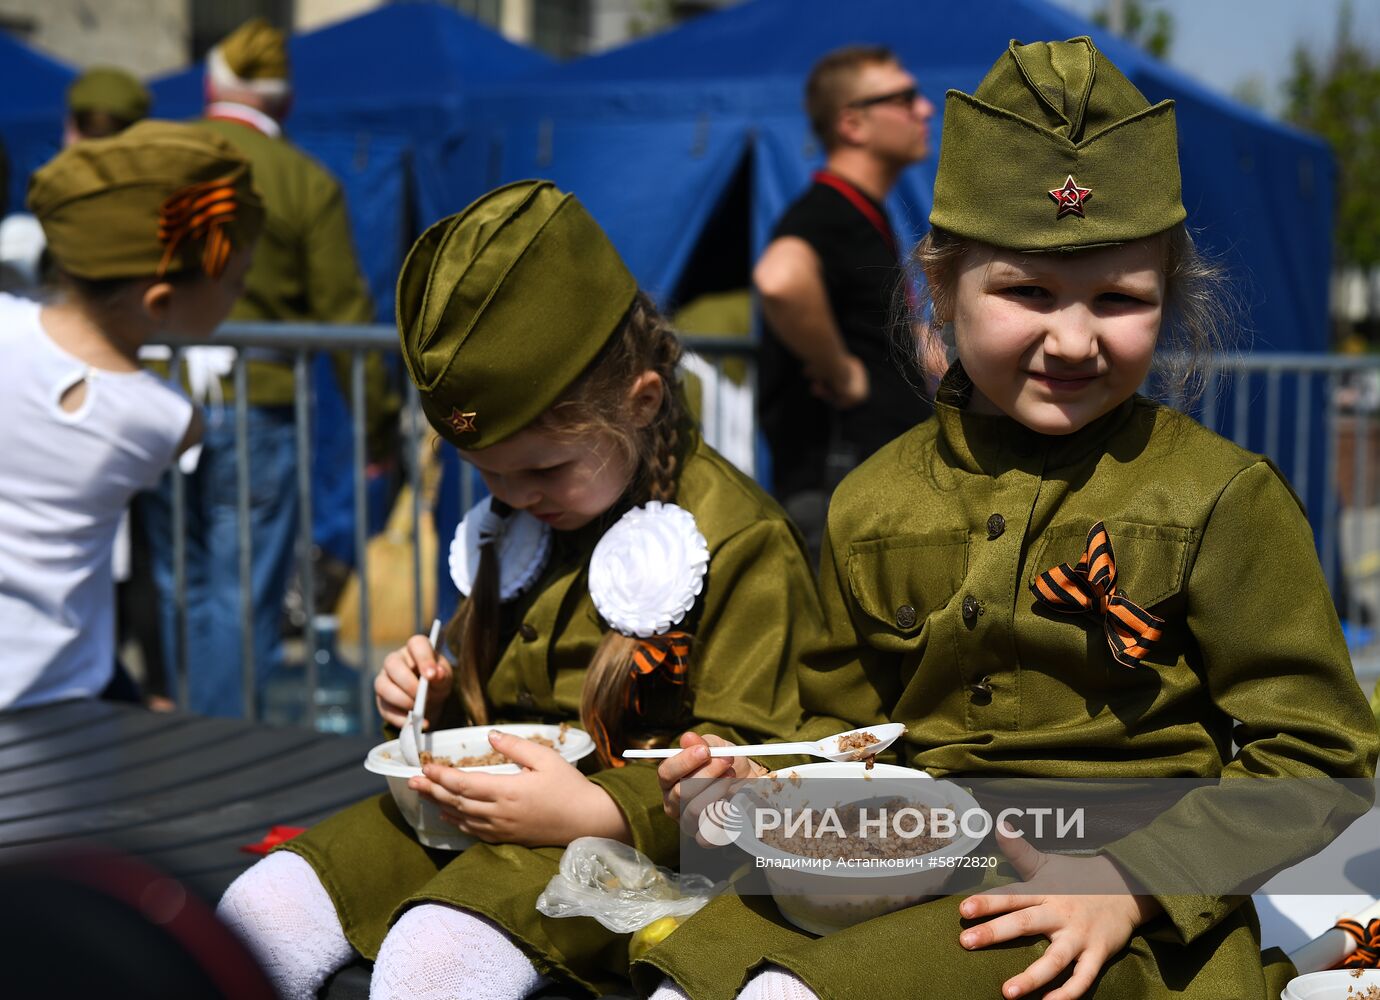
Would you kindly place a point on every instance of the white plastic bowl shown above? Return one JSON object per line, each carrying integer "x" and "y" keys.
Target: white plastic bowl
{"x": 825, "y": 900}
{"x": 472, "y": 741}
{"x": 1330, "y": 985}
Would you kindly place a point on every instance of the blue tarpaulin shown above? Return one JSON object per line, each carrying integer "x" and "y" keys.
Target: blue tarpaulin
{"x": 650, "y": 135}
{"x": 35, "y": 89}
{"x": 654, "y": 135}
{"x": 371, "y": 97}
{"x": 687, "y": 146}
{"x": 403, "y": 67}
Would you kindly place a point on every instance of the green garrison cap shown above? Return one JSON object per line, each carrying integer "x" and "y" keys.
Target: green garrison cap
{"x": 256, "y": 51}
{"x": 503, "y": 306}
{"x": 1056, "y": 150}
{"x": 103, "y": 88}
{"x": 156, "y": 199}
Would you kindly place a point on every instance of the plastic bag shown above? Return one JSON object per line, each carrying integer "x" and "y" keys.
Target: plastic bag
{"x": 619, "y": 886}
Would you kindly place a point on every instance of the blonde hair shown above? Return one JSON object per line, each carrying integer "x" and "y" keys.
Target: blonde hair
{"x": 597, "y": 403}
{"x": 1201, "y": 307}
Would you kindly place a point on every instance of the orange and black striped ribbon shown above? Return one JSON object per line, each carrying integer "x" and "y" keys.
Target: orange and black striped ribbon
{"x": 667, "y": 655}
{"x": 1090, "y": 588}
{"x": 198, "y": 212}
{"x": 1367, "y": 938}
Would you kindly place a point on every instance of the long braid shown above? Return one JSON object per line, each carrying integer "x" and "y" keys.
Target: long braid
{"x": 604, "y": 700}
{"x": 664, "y": 430}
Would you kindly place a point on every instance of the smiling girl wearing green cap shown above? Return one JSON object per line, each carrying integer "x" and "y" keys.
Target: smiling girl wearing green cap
{"x": 1057, "y": 578}
{"x": 623, "y": 578}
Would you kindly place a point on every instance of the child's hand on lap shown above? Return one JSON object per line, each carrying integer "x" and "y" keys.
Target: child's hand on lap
{"x": 548, "y": 805}
{"x": 1083, "y": 930}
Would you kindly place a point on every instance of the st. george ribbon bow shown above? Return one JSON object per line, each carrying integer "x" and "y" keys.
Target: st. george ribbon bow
{"x": 1367, "y": 938}
{"x": 668, "y": 654}
{"x": 1090, "y": 588}
{"x": 199, "y": 212}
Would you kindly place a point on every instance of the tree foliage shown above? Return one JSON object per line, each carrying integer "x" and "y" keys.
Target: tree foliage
{"x": 1337, "y": 96}
{"x": 1143, "y": 24}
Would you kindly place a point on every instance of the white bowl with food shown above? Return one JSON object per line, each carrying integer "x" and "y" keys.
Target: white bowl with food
{"x": 1335, "y": 984}
{"x": 470, "y": 750}
{"x": 851, "y": 889}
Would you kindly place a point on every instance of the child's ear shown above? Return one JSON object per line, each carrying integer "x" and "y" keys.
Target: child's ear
{"x": 644, "y": 398}
{"x": 157, "y": 301}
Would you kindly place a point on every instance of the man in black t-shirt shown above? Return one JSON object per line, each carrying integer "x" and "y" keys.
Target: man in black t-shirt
{"x": 831, "y": 286}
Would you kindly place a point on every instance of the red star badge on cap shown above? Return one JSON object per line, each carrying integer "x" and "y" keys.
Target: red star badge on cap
{"x": 1070, "y": 198}
{"x": 461, "y": 423}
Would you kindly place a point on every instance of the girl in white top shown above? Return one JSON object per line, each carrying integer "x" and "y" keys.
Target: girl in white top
{"x": 152, "y": 231}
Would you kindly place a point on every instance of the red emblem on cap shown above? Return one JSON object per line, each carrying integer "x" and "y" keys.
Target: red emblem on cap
{"x": 461, "y": 423}
{"x": 1070, "y": 198}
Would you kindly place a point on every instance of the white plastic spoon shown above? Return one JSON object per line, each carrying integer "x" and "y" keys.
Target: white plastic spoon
{"x": 410, "y": 738}
{"x": 828, "y": 748}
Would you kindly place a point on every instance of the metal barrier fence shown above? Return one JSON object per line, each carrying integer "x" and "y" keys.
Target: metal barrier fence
{"x": 1316, "y": 416}
{"x": 726, "y": 406}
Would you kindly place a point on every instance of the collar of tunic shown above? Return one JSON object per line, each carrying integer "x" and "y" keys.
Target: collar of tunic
{"x": 245, "y": 115}
{"x": 990, "y": 445}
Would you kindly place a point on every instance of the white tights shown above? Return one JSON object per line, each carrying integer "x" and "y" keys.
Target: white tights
{"x": 437, "y": 952}
{"x": 433, "y": 952}
{"x": 281, "y": 910}
{"x": 772, "y": 983}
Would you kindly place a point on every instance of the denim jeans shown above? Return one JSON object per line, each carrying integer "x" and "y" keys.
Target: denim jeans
{"x": 214, "y": 639}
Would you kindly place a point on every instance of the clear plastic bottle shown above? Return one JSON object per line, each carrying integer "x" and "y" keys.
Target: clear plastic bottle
{"x": 337, "y": 683}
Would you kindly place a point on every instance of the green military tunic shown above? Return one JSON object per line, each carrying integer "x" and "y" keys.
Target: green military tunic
{"x": 757, "y": 611}
{"x": 304, "y": 266}
{"x": 932, "y": 546}
{"x": 304, "y": 269}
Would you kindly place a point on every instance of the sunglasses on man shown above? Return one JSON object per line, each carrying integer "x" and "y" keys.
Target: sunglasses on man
{"x": 901, "y": 98}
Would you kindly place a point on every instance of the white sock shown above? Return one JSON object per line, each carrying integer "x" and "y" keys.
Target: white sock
{"x": 282, "y": 912}
{"x": 669, "y": 989}
{"x": 775, "y": 983}
{"x": 437, "y": 952}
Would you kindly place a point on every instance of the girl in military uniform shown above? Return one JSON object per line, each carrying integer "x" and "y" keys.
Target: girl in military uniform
{"x": 624, "y": 578}
{"x": 1058, "y": 578}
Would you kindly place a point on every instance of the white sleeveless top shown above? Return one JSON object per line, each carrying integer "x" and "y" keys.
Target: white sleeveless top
{"x": 65, "y": 480}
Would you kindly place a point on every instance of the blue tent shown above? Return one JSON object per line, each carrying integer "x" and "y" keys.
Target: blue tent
{"x": 688, "y": 145}
{"x": 659, "y": 135}
{"x": 369, "y": 96}
{"x": 406, "y": 67}
{"x": 35, "y": 89}
{"x": 29, "y": 78}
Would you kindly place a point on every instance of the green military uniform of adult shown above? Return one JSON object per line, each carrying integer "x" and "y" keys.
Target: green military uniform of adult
{"x": 304, "y": 268}
{"x": 756, "y": 613}
{"x": 955, "y": 520}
